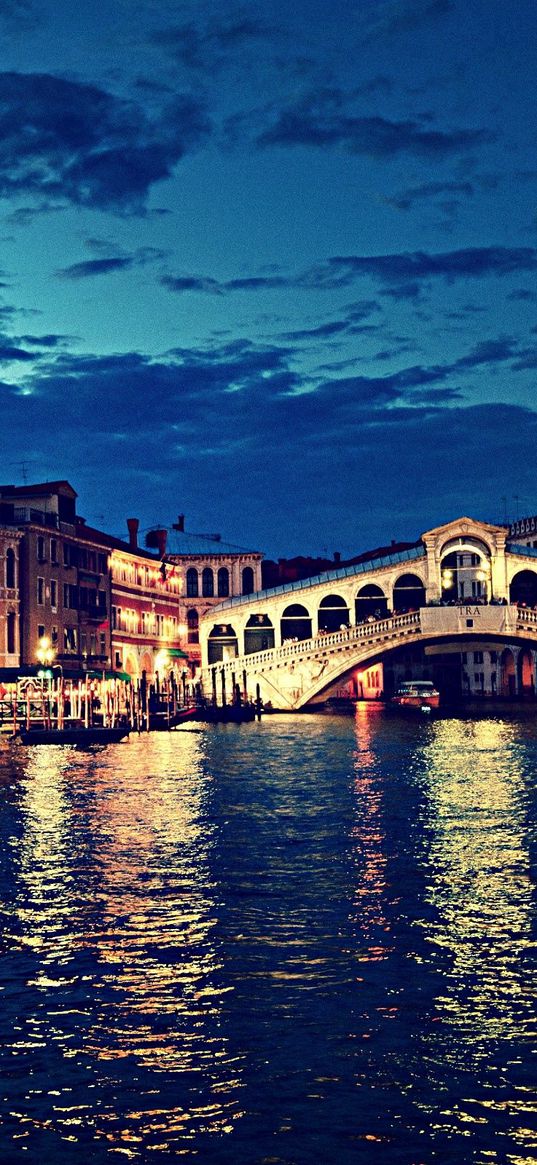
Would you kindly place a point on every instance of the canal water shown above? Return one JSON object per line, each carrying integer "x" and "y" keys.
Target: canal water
{"x": 309, "y": 940}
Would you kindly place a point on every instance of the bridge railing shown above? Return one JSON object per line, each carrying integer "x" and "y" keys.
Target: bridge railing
{"x": 526, "y": 615}
{"x": 294, "y": 649}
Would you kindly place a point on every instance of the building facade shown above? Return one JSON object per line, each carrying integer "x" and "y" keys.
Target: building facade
{"x": 208, "y": 571}
{"x": 10, "y": 540}
{"x": 146, "y": 635}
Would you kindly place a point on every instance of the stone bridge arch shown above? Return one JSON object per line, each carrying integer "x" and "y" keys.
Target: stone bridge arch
{"x": 332, "y": 613}
{"x": 408, "y": 593}
{"x": 295, "y": 622}
{"x": 370, "y": 601}
{"x": 523, "y": 588}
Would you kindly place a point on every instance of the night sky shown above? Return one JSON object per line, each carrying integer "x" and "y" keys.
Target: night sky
{"x": 271, "y": 264}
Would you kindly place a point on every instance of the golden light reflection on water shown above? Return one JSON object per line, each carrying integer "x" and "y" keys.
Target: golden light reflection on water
{"x": 480, "y": 880}
{"x": 369, "y": 844}
{"x": 115, "y": 874}
{"x": 481, "y": 890}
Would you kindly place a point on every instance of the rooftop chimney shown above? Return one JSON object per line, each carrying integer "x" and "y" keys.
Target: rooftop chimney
{"x": 337, "y": 556}
{"x": 180, "y": 524}
{"x": 161, "y": 537}
{"x": 133, "y": 525}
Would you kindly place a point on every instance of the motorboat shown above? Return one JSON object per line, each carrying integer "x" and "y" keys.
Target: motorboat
{"x": 420, "y": 694}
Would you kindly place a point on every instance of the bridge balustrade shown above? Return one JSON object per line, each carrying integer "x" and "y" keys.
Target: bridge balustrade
{"x": 296, "y": 649}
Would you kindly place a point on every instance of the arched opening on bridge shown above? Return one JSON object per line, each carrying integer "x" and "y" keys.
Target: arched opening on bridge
{"x": 465, "y": 571}
{"x": 222, "y": 643}
{"x": 295, "y": 623}
{"x": 507, "y": 674}
{"x": 371, "y": 603}
{"x": 408, "y": 593}
{"x": 523, "y": 588}
{"x": 526, "y": 674}
{"x": 258, "y": 634}
{"x": 333, "y": 613}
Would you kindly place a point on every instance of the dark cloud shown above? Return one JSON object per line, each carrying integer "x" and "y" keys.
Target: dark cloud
{"x": 109, "y": 263}
{"x": 8, "y": 353}
{"x": 24, "y": 216}
{"x": 323, "y": 119}
{"x": 62, "y": 139}
{"x": 90, "y": 267}
{"x": 224, "y": 406}
{"x": 207, "y": 46}
{"x": 470, "y": 262}
{"x": 395, "y": 17}
{"x": 523, "y": 293}
{"x": 402, "y": 275}
{"x": 179, "y": 283}
{"x": 428, "y": 190}
{"x": 50, "y": 340}
{"x": 350, "y": 324}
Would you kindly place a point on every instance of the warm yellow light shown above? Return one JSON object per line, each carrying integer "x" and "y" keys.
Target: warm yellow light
{"x": 182, "y": 630}
{"x": 45, "y": 652}
{"x": 162, "y": 661}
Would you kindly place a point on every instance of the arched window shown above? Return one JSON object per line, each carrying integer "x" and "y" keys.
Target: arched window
{"x": 207, "y": 583}
{"x": 192, "y": 622}
{"x": 223, "y": 582}
{"x": 10, "y": 568}
{"x": 11, "y": 638}
{"x": 247, "y": 581}
{"x": 192, "y": 583}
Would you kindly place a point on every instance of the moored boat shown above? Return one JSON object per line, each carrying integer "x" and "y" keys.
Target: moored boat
{"x": 420, "y": 694}
{"x": 78, "y": 736}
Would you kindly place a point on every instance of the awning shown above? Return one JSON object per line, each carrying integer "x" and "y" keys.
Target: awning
{"x": 110, "y": 675}
{"x": 176, "y": 653}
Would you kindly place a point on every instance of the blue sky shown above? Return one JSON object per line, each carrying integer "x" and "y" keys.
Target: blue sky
{"x": 271, "y": 265}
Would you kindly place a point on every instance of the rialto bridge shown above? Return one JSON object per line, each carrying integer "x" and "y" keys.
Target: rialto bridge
{"x": 458, "y": 607}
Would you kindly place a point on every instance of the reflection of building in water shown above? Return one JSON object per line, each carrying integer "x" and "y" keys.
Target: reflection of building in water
{"x": 46, "y": 907}
{"x": 158, "y": 915}
{"x": 115, "y": 866}
{"x": 480, "y": 882}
